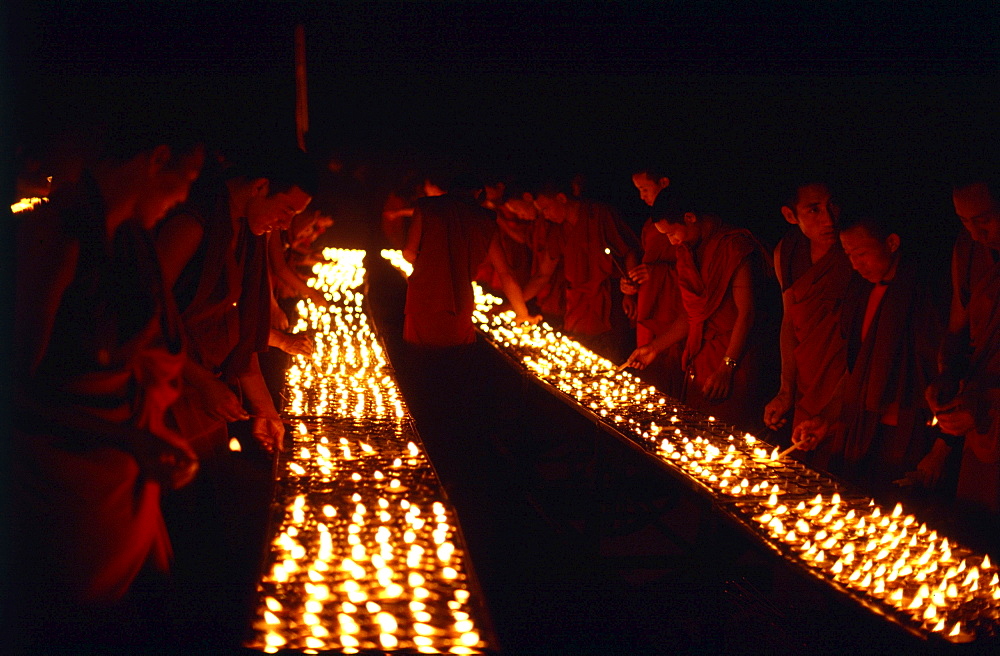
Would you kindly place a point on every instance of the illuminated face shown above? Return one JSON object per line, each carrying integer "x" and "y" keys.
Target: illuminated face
{"x": 553, "y": 208}
{"x": 872, "y": 258}
{"x": 276, "y": 211}
{"x": 168, "y": 186}
{"x": 815, "y": 213}
{"x": 678, "y": 233}
{"x": 980, "y": 213}
{"x": 522, "y": 209}
{"x": 649, "y": 188}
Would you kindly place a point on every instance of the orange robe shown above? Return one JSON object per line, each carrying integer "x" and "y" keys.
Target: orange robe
{"x": 588, "y": 270}
{"x": 976, "y": 276}
{"x": 814, "y": 295}
{"x": 89, "y": 436}
{"x": 454, "y": 241}
{"x": 705, "y": 279}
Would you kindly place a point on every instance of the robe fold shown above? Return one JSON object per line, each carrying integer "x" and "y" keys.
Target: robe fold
{"x": 454, "y": 241}
{"x": 89, "y": 440}
{"x": 813, "y": 297}
{"x": 888, "y": 371}
{"x": 587, "y": 269}
{"x": 658, "y": 305}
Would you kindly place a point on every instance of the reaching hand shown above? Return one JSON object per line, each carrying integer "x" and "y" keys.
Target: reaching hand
{"x": 628, "y": 287}
{"x": 630, "y": 306}
{"x": 641, "y": 358}
{"x": 775, "y": 411}
{"x": 640, "y": 274}
{"x": 269, "y": 431}
{"x": 219, "y": 402}
{"x": 809, "y": 433}
{"x": 719, "y": 384}
{"x": 931, "y": 466}
{"x": 297, "y": 344}
{"x": 531, "y": 319}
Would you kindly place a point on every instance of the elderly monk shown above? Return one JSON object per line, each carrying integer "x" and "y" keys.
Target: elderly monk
{"x": 728, "y": 325}
{"x": 214, "y": 255}
{"x": 652, "y": 298}
{"x": 813, "y": 273}
{"x": 450, "y": 237}
{"x": 99, "y": 356}
{"x": 966, "y": 397}
{"x": 891, "y": 321}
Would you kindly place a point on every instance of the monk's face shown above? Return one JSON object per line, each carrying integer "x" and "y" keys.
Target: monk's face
{"x": 167, "y": 185}
{"x": 266, "y": 212}
{"x": 685, "y": 232}
{"x": 815, "y": 213}
{"x": 871, "y": 257}
{"x": 980, "y": 213}
{"x": 552, "y": 208}
{"x": 648, "y": 187}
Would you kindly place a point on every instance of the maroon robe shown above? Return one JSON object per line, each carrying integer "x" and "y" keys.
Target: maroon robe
{"x": 90, "y": 446}
{"x": 814, "y": 295}
{"x": 976, "y": 277}
{"x": 224, "y": 298}
{"x": 888, "y": 371}
{"x": 543, "y": 241}
{"x": 588, "y": 270}
{"x": 658, "y": 306}
{"x": 705, "y": 279}
{"x": 454, "y": 240}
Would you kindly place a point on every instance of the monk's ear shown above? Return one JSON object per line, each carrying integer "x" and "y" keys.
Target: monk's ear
{"x": 259, "y": 187}
{"x": 664, "y": 181}
{"x": 892, "y": 242}
{"x": 690, "y": 218}
{"x": 789, "y": 215}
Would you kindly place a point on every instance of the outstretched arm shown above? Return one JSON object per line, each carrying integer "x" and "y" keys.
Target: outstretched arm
{"x": 511, "y": 289}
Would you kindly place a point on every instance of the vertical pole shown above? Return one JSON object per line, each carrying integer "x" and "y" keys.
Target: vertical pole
{"x": 301, "y": 93}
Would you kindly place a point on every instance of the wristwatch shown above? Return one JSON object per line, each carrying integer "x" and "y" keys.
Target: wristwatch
{"x": 729, "y": 362}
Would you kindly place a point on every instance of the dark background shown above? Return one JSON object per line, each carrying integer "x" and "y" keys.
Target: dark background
{"x": 894, "y": 96}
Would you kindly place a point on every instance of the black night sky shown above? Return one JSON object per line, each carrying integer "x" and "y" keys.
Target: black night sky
{"x": 894, "y": 94}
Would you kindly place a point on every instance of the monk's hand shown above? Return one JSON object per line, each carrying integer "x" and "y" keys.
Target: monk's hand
{"x": 641, "y": 358}
{"x": 318, "y": 298}
{"x": 929, "y": 468}
{"x": 530, "y": 319}
{"x": 955, "y": 418}
{"x": 775, "y": 411}
{"x": 719, "y": 384}
{"x": 640, "y": 274}
{"x": 630, "y": 306}
{"x": 297, "y": 344}
{"x": 268, "y": 431}
{"x": 628, "y": 287}
{"x": 219, "y": 402}
{"x": 809, "y": 433}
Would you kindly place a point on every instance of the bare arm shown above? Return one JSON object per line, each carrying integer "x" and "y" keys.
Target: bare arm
{"x": 511, "y": 289}
{"x": 743, "y": 296}
{"x": 546, "y": 266}
{"x": 265, "y": 423}
{"x": 280, "y": 268}
{"x": 643, "y": 356}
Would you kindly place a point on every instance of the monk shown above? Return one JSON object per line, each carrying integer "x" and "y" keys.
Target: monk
{"x": 813, "y": 273}
{"x": 966, "y": 396}
{"x": 727, "y": 327}
{"x": 450, "y": 236}
{"x": 652, "y": 298}
{"x": 892, "y": 324}
{"x": 589, "y": 237}
{"x": 99, "y": 353}
{"x": 214, "y": 255}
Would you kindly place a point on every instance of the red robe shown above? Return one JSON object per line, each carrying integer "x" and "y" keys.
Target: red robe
{"x": 543, "y": 239}
{"x": 705, "y": 279}
{"x": 454, "y": 240}
{"x": 658, "y": 306}
{"x": 224, "y": 298}
{"x": 90, "y": 434}
{"x": 814, "y": 295}
{"x": 588, "y": 270}
{"x": 888, "y": 370}
{"x": 976, "y": 276}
